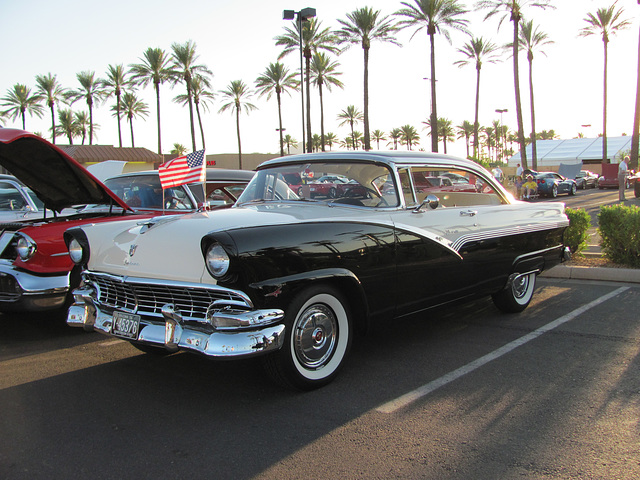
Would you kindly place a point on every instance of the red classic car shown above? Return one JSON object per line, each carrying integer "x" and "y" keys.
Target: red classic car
{"x": 35, "y": 269}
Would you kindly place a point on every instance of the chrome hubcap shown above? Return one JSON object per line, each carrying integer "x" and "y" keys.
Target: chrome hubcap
{"x": 520, "y": 285}
{"x": 315, "y": 336}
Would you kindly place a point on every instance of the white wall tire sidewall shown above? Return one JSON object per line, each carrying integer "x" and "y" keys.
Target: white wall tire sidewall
{"x": 341, "y": 344}
{"x": 526, "y": 298}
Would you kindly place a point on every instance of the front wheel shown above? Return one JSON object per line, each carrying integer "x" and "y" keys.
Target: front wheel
{"x": 573, "y": 189}
{"x": 317, "y": 340}
{"x": 636, "y": 189}
{"x": 516, "y": 296}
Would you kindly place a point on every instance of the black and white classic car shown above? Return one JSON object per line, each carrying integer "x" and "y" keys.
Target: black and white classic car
{"x": 291, "y": 276}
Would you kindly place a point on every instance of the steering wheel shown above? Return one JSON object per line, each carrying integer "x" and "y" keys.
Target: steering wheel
{"x": 175, "y": 202}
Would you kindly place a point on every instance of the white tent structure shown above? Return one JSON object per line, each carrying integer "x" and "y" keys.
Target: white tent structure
{"x": 584, "y": 151}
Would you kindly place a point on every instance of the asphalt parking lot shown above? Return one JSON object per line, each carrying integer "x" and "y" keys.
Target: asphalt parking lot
{"x": 458, "y": 393}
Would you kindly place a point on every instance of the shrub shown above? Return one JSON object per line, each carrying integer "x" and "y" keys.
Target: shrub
{"x": 575, "y": 236}
{"x": 619, "y": 227}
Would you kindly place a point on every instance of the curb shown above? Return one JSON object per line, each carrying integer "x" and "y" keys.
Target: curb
{"x": 626, "y": 275}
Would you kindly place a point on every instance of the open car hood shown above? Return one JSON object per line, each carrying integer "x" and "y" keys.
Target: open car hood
{"x": 58, "y": 180}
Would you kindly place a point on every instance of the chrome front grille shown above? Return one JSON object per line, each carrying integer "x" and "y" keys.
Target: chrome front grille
{"x": 146, "y": 298}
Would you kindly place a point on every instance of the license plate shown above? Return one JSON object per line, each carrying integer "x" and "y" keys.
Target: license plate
{"x": 125, "y": 325}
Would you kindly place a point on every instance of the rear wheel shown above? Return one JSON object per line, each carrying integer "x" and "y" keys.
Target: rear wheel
{"x": 516, "y": 296}
{"x": 554, "y": 191}
{"x": 317, "y": 340}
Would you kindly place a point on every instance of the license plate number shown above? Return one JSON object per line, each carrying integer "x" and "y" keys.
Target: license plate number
{"x": 125, "y": 325}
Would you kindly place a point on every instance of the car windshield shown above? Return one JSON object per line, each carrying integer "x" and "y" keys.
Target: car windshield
{"x": 361, "y": 184}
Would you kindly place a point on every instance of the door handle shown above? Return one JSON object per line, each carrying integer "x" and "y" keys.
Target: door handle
{"x": 469, "y": 213}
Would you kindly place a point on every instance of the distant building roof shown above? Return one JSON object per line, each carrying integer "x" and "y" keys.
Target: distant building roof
{"x": 99, "y": 153}
{"x": 574, "y": 150}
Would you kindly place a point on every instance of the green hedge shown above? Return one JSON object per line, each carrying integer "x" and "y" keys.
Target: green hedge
{"x": 619, "y": 227}
{"x": 575, "y": 236}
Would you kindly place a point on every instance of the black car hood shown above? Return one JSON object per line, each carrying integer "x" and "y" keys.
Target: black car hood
{"x": 58, "y": 180}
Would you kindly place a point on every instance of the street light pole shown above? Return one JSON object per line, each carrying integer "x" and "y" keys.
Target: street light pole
{"x": 301, "y": 16}
{"x": 501, "y": 111}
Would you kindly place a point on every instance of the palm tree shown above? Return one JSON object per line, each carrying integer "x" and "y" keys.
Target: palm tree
{"x": 605, "y": 22}
{"x": 547, "y": 135}
{"x": 52, "y": 92}
{"x": 466, "y": 129}
{"x": 395, "y": 135}
{"x": 489, "y": 141}
{"x": 323, "y": 72}
{"x": 155, "y": 68}
{"x": 276, "y": 78}
{"x": 351, "y": 116}
{"x": 378, "y": 136}
{"x": 317, "y": 142}
{"x": 113, "y": 85}
{"x": 82, "y": 121}
{"x": 409, "y": 136}
{"x": 183, "y": 64}
{"x": 92, "y": 91}
{"x": 131, "y": 107}
{"x": 313, "y": 40}
{"x": 357, "y": 139}
{"x": 437, "y": 16}
{"x": 477, "y": 51}
{"x": 66, "y": 125}
{"x": 445, "y": 131}
{"x": 236, "y": 96}
{"x": 329, "y": 139}
{"x": 178, "y": 149}
{"x": 289, "y": 142}
{"x": 201, "y": 96}
{"x": 531, "y": 39}
{"x": 512, "y": 9}
{"x": 363, "y": 27}
{"x": 20, "y": 102}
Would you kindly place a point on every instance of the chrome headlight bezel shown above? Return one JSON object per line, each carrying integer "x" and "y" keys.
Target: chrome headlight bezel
{"x": 26, "y": 247}
{"x": 77, "y": 245}
{"x": 217, "y": 261}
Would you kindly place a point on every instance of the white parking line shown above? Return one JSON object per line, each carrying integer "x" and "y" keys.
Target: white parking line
{"x": 408, "y": 398}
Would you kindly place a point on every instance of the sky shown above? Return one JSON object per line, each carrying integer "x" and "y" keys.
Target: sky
{"x": 235, "y": 40}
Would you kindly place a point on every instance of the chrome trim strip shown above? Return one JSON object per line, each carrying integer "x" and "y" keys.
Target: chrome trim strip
{"x": 504, "y": 232}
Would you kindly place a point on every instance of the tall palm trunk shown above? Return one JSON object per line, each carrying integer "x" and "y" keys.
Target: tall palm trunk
{"x": 90, "y": 103}
{"x": 321, "y": 115}
{"x": 133, "y": 143}
{"x": 157, "y": 85}
{"x": 308, "y": 93}
{"x": 53, "y": 123}
{"x": 367, "y": 138}
{"x": 516, "y": 80}
{"x": 118, "y": 116}
{"x": 193, "y": 130}
{"x": 24, "y": 118}
{"x": 534, "y": 149}
{"x": 238, "y": 132}
{"x": 279, "y": 98}
{"x": 604, "y": 107}
{"x": 434, "y": 114}
{"x": 200, "y": 123}
{"x": 476, "y": 124}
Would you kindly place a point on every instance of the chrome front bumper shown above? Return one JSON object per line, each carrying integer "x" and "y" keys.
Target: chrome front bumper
{"x": 173, "y": 333}
{"x": 24, "y": 291}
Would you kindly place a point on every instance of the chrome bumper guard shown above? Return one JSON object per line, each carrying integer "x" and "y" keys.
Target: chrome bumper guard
{"x": 23, "y": 290}
{"x": 255, "y": 335}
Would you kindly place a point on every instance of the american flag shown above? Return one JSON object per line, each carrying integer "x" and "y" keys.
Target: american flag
{"x": 182, "y": 170}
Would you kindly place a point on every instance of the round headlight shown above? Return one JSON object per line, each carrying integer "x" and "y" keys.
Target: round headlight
{"x": 25, "y": 247}
{"x": 75, "y": 251}
{"x": 217, "y": 260}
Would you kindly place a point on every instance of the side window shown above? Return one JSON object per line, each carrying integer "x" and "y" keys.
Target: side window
{"x": 177, "y": 199}
{"x": 219, "y": 197}
{"x": 454, "y": 188}
{"x": 405, "y": 185}
{"x": 11, "y": 198}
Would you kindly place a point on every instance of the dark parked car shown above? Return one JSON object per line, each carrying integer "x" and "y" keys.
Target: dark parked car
{"x": 292, "y": 279}
{"x": 552, "y": 184}
{"x": 586, "y": 179}
{"x": 17, "y": 201}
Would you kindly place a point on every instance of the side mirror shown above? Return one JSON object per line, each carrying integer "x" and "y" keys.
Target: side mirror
{"x": 430, "y": 200}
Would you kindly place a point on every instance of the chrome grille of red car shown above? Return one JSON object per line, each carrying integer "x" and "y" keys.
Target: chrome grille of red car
{"x": 148, "y": 299}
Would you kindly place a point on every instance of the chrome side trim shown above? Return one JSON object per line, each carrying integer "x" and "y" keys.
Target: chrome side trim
{"x": 504, "y": 232}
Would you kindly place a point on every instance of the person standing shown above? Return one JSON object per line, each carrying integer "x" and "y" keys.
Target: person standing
{"x": 519, "y": 171}
{"x": 622, "y": 177}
